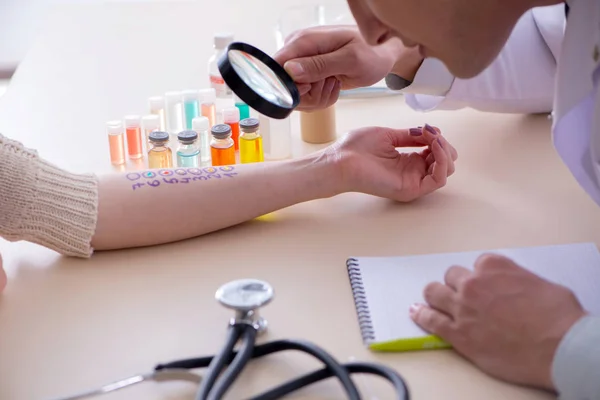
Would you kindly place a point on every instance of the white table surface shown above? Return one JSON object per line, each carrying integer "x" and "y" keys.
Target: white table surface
{"x": 68, "y": 325}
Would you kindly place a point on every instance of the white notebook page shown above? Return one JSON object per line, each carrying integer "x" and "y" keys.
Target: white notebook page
{"x": 392, "y": 284}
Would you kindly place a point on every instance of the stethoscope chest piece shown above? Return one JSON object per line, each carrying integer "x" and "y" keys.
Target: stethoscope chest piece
{"x": 246, "y": 296}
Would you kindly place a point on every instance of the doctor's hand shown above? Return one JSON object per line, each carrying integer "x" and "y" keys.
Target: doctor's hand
{"x": 370, "y": 162}
{"x": 323, "y": 60}
{"x": 505, "y": 319}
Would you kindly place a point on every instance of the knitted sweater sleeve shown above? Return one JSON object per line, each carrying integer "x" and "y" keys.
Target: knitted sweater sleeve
{"x": 44, "y": 204}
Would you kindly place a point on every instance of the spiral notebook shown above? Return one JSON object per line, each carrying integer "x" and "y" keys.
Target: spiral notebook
{"x": 384, "y": 287}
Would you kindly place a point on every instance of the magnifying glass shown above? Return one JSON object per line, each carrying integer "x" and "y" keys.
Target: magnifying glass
{"x": 259, "y": 80}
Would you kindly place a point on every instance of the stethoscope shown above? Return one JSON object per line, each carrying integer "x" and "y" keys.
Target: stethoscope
{"x": 245, "y": 297}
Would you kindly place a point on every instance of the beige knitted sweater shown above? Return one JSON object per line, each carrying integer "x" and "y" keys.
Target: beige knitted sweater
{"x": 44, "y": 204}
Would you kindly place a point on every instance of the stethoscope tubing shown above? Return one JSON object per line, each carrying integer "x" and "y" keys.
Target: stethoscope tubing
{"x": 237, "y": 365}
{"x": 213, "y": 388}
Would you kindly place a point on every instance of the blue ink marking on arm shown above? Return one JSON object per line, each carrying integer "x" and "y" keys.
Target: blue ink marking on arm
{"x": 172, "y": 180}
{"x": 149, "y": 174}
{"x": 137, "y": 185}
{"x": 133, "y": 176}
{"x": 230, "y": 175}
{"x": 195, "y": 171}
{"x": 184, "y": 180}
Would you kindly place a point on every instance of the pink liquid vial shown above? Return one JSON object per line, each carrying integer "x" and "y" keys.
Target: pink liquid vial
{"x": 133, "y": 131}
{"x": 208, "y": 109}
{"x": 116, "y": 142}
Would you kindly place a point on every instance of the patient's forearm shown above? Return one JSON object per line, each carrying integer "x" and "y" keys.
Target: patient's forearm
{"x": 151, "y": 207}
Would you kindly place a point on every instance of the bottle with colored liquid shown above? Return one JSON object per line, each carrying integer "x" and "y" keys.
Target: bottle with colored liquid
{"x": 191, "y": 106}
{"x": 222, "y": 149}
{"x": 208, "y": 98}
{"x": 133, "y": 131}
{"x": 201, "y": 125}
{"x": 188, "y": 152}
{"x": 243, "y": 107}
{"x": 231, "y": 117}
{"x": 251, "y": 149}
{"x": 159, "y": 155}
{"x": 116, "y": 142}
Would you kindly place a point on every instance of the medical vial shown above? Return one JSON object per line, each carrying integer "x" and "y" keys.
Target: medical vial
{"x": 174, "y": 112}
{"x": 188, "y": 151}
{"x": 156, "y": 104}
{"x": 116, "y": 142}
{"x": 276, "y": 137}
{"x": 251, "y": 148}
{"x": 222, "y": 149}
{"x": 318, "y": 127}
{"x": 201, "y": 125}
{"x": 150, "y": 123}
{"x": 159, "y": 155}
{"x": 133, "y": 131}
{"x": 243, "y": 107}
{"x": 231, "y": 117}
{"x": 191, "y": 106}
{"x": 208, "y": 98}
{"x": 221, "y": 41}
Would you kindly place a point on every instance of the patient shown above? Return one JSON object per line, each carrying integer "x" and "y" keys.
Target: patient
{"x": 73, "y": 214}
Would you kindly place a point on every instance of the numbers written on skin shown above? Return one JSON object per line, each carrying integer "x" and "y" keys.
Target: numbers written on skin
{"x": 184, "y": 176}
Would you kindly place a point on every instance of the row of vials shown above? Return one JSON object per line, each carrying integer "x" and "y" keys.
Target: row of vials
{"x": 185, "y": 129}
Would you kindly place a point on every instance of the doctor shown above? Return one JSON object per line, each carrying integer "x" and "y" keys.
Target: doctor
{"x": 505, "y": 56}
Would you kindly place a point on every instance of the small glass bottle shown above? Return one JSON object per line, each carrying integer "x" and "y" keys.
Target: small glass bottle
{"x": 277, "y": 138}
{"x": 133, "y": 130}
{"x": 221, "y": 41}
{"x": 188, "y": 152}
{"x": 208, "y": 98}
{"x": 150, "y": 123}
{"x": 221, "y": 146}
{"x": 174, "y": 112}
{"x": 191, "y": 107}
{"x": 156, "y": 104}
{"x": 159, "y": 155}
{"x": 251, "y": 149}
{"x": 243, "y": 107}
{"x": 231, "y": 117}
{"x": 116, "y": 142}
{"x": 201, "y": 125}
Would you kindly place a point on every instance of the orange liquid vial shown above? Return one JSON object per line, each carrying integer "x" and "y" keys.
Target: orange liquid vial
{"x": 210, "y": 111}
{"x": 133, "y": 131}
{"x": 222, "y": 149}
{"x": 116, "y": 142}
{"x": 222, "y": 156}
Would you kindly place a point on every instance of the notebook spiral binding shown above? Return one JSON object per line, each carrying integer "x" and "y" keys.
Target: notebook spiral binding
{"x": 360, "y": 300}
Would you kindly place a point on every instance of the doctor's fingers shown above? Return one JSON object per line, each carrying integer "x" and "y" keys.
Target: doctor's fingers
{"x": 321, "y": 95}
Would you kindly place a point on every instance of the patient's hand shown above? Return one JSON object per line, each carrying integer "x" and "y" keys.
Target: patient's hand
{"x": 2, "y": 276}
{"x": 371, "y": 164}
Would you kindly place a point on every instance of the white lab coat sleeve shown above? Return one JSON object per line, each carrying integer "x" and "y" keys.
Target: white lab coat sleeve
{"x": 576, "y": 365}
{"x": 520, "y": 80}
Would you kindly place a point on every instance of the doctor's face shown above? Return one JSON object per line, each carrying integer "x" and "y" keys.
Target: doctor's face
{"x": 466, "y": 35}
